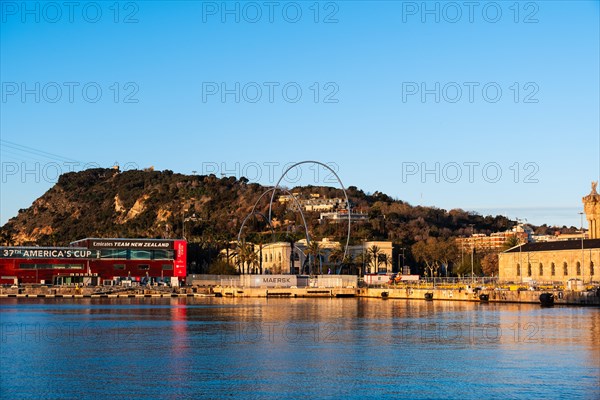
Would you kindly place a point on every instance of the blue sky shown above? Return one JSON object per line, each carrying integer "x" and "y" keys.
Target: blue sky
{"x": 493, "y": 109}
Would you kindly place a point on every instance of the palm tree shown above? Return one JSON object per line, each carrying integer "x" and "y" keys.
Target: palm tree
{"x": 336, "y": 256}
{"x": 348, "y": 261}
{"x": 362, "y": 260}
{"x": 374, "y": 252}
{"x": 291, "y": 238}
{"x": 314, "y": 251}
{"x": 259, "y": 240}
{"x": 384, "y": 259}
{"x": 239, "y": 255}
{"x": 246, "y": 256}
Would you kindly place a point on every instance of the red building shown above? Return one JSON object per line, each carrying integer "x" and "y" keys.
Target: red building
{"x": 108, "y": 259}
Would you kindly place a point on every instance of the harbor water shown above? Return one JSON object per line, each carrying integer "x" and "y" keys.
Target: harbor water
{"x": 251, "y": 348}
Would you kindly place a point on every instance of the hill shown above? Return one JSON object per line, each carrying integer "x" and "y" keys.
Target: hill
{"x": 154, "y": 204}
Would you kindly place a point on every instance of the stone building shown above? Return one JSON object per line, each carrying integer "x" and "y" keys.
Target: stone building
{"x": 275, "y": 256}
{"x": 591, "y": 206}
{"x": 558, "y": 261}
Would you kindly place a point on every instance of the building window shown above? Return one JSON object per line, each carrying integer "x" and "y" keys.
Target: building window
{"x": 528, "y": 269}
{"x": 50, "y": 266}
{"x": 140, "y": 255}
{"x": 114, "y": 254}
{"x": 578, "y": 268}
{"x": 565, "y": 269}
{"x": 591, "y": 268}
{"x": 119, "y": 266}
{"x": 518, "y": 269}
{"x": 163, "y": 255}
{"x": 541, "y": 269}
{"x": 552, "y": 269}
{"x": 144, "y": 267}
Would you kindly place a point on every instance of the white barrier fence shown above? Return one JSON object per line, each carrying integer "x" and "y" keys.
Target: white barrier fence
{"x": 273, "y": 281}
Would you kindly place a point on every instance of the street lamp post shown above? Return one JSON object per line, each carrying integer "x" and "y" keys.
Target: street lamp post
{"x": 472, "y": 253}
{"x": 363, "y": 259}
{"x": 582, "y": 252}
{"x": 401, "y": 263}
{"x": 520, "y": 221}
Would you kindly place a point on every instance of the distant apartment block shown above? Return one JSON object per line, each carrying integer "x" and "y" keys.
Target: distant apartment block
{"x": 496, "y": 241}
{"x": 342, "y": 216}
{"x": 315, "y": 203}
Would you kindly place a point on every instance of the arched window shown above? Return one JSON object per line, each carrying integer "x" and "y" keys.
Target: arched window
{"x": 541, "y": 269}
{"x": 280, "y": 257}
{"x": 528, "y": 269}
{"x": 271, "y": 257}
{"x": 565, "y": 269}
{"x": 578, "y": 268}
{"x": 518, "y": 269}
{"x": 591, "y": 268}
{"x": 552, "y": 269}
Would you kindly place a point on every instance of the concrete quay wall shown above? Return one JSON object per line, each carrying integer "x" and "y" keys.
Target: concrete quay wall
{"x": 495, "y": 296}
{"x": 283, "y": 292}
{"x": 567, "y": 297}
{"x": 99, "y": 292}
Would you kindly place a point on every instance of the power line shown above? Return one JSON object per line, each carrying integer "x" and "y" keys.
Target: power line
{"x": 34, "y": 151}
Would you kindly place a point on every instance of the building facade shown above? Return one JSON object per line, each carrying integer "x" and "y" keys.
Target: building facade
{"x": 108, "y": 259}
{"x": 274, "y": 258}
{"x": 557, "y": 261}
{"x": 381, "y": 264}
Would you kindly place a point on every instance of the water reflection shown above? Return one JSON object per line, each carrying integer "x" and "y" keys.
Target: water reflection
{"x": 255, "y": 348}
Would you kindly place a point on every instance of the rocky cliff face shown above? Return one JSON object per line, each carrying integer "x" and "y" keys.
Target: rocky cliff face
{"x": 106, "y": 202}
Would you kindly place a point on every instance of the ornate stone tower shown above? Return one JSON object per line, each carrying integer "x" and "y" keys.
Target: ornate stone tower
{"x": 591, "y": 206}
